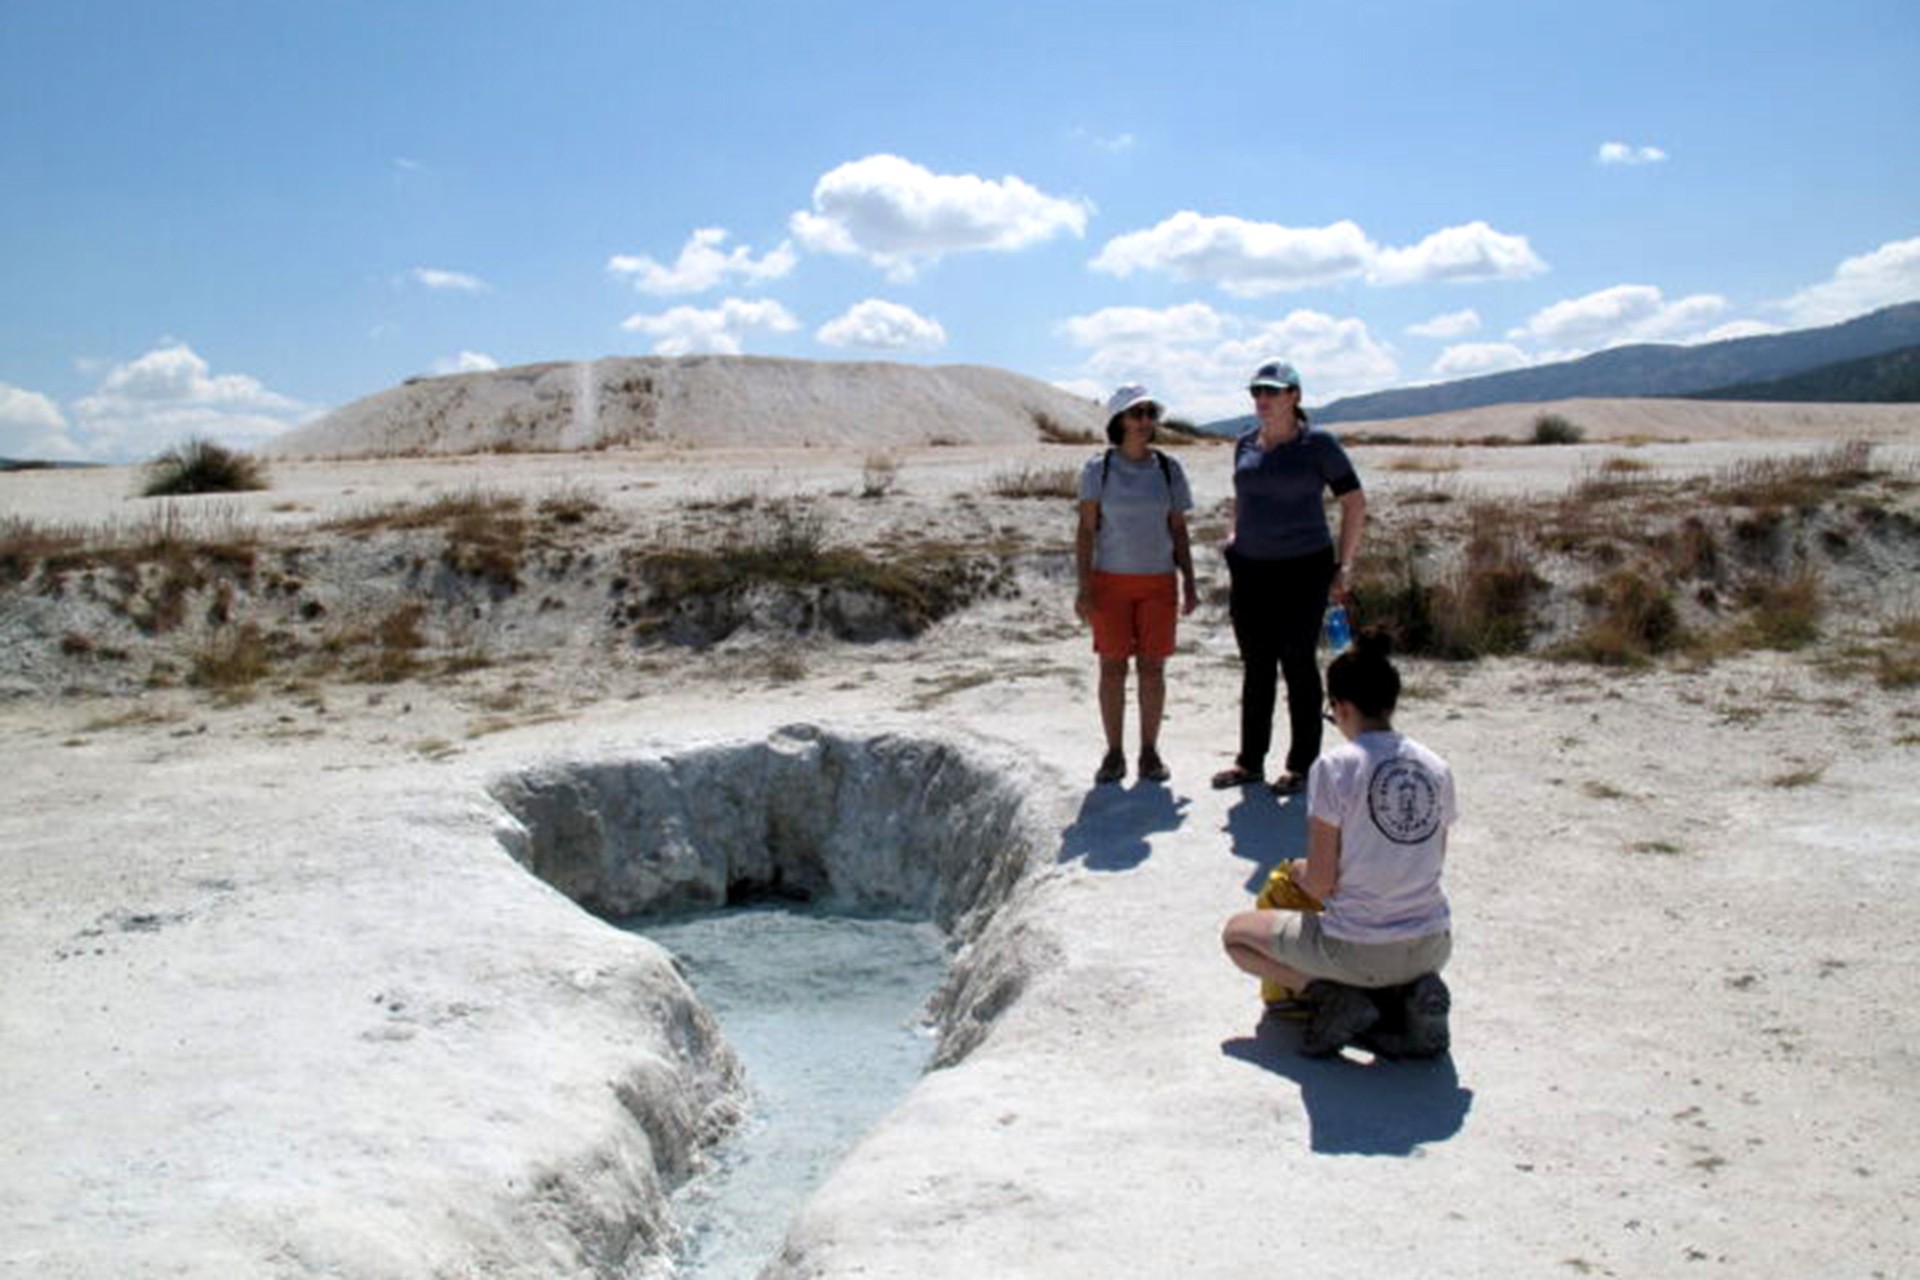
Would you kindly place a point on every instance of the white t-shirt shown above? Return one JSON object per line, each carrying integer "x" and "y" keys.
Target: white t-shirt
{"x": 1393, "y": 802}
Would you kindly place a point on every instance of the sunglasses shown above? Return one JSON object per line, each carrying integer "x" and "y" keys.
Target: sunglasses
{"x": 1262, "y": 392}
{"x": 1150, "y": 412}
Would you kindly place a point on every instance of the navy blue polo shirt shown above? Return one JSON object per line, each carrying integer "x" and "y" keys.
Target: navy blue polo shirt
{"x": 1278, "y": 509}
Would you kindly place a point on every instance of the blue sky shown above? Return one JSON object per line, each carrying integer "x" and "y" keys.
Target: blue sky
{"x": 221, "y": 217}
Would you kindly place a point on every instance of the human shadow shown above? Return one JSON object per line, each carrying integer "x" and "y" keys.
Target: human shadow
{"x": 1110, "y": 831}
{"x": 1266, "y": 830}
{"x": 1382, "y": 1108}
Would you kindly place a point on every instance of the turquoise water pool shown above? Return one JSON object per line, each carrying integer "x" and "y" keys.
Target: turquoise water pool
{"x": 825, "y": 1013}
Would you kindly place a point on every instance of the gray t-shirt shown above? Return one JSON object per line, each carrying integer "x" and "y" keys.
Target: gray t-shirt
{"x": 1135, "y": 501}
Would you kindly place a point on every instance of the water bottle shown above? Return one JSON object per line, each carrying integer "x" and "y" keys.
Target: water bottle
{"x": 1339, "y": 633}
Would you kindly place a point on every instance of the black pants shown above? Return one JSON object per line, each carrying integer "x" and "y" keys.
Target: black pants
{"x": 1277, "y": 607}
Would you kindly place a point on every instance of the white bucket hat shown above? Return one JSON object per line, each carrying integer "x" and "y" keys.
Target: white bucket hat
{"x": 1127, "y": 397}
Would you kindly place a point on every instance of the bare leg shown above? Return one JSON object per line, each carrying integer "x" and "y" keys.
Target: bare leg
{"x": 1247, "y": 937}
{"x": 1113, "y": 700}
{"x": 1153, "y": 701}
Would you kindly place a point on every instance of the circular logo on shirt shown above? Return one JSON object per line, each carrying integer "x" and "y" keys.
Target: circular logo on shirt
{"x": 1404, "y": 801}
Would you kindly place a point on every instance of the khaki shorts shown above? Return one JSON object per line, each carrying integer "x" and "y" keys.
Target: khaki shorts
{"x": 1300, "y": 943}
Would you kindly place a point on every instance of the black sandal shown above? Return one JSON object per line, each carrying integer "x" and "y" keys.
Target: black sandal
{"x": 1287, "y": 784}
{"x": 1236, "y": 776}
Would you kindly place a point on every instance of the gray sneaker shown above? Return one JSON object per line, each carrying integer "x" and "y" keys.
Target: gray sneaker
{"x": 1422, "y": 1031}
{"x": 1341, "y": 1015}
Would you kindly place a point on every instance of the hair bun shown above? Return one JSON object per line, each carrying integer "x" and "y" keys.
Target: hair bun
{"x": 1373, "y": 642}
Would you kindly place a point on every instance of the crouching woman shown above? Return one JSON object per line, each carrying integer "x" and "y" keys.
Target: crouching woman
{"x": 1378, "y": 810}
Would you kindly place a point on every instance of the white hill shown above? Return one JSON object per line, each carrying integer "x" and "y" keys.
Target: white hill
{"x": 700, "y": 401}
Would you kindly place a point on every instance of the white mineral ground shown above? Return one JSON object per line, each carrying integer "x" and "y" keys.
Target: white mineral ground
{"x": 276, "y": 999}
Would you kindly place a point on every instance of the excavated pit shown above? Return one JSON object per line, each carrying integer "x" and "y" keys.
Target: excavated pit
{"x": 824, "y": 848}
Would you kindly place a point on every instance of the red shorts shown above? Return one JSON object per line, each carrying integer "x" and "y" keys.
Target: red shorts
{"x": 1134, "y": 613}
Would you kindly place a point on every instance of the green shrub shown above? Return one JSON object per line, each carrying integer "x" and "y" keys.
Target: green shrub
{"x": 1551, "y": 428}
{"x": 201, "y": 466}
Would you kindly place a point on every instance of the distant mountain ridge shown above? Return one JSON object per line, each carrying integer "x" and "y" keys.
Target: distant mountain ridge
{"x": 1646, "y": 369}
{"x": 1892, "y": 377}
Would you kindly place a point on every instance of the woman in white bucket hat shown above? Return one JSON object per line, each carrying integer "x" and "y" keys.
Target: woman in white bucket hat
{"x": 1130, "y": 544}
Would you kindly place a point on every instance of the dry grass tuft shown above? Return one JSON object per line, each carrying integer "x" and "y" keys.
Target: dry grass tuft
{"x": 1053, "y": 431}
{"x": 1783, "y": 614}
{"x": 232, "y": 659}
{"x": 1421, "y": 464}
{"x": 1633, "y": 618}
{"x": 1482, "y": 604}
{"x": 878, "y": 475}
{"x": 1038, "y": 482}
{"x": 1797, "y": 483}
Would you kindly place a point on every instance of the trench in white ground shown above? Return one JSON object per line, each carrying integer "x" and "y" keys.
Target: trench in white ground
{"x": 827, "y": 1016}
{"x": 916, "y": 839}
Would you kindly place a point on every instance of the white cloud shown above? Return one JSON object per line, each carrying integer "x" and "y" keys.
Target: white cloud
{"x": 1623, "y": 314}
{"x": 901, "y": 216}
{"x": 717, "y": 330}
{"x": 1471, "y": 359}
{"x": 1247, "y": 259}
{"x": 1112, "y": 326}
{"x": 447, "y": 281}
{"x": 169, "y": 394}
{"x": 884, "y": 325}
{"x": 1474, "y": 251}
{"x": 1453, "y": 324}
{"x": 1253, "y": 259}
{"x": 1621, "y": 153}
{"x": 1888, "y": 275}
{"x": 1198, "y": 359}
{"x": 703, "y": 265}
{"x": 466, "y": 362}
{"x": 32, "y": 426}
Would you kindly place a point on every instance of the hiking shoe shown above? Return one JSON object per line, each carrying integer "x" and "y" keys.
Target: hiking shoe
{"x": 1113, "y": 767}
{"x": 1428, "y": 1005}
{"x": 1152, "y": 767}
{"x": 1341, "y": 1014}
{"x": 1422, "y": 1031}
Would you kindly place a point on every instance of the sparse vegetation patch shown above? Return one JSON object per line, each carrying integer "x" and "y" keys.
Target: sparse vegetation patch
{"x": 201, "y": 466}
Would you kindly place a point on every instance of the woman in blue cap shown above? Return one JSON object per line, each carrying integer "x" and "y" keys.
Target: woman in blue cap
{"x": 1284, "y": 564}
